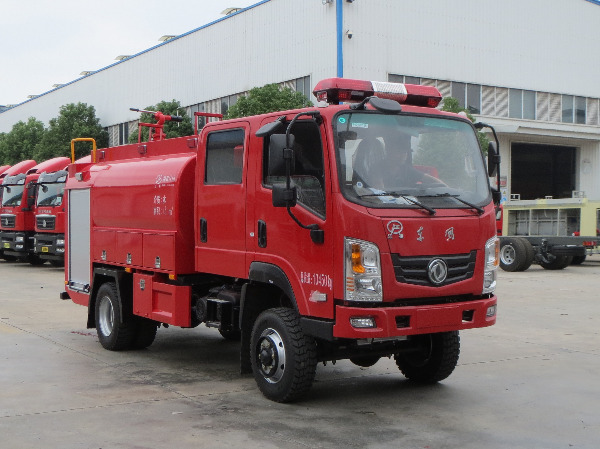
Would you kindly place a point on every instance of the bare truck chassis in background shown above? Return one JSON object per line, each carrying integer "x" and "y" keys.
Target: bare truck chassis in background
{"x": 551, "y": 232}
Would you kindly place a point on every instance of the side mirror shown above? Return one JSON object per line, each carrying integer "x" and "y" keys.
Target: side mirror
{"x": 280, "y": 155}
{"x": 493, "y": 159}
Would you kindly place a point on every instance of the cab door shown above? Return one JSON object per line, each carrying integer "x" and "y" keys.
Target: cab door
{"x": 280, "y": 244}
{"x": 221, "y": 202}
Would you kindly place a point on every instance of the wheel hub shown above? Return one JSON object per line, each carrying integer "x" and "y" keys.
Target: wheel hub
{"x": 271, "y": 355}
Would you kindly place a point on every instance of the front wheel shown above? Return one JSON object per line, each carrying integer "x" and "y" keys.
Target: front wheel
{"x": 435, "y": 357}
{"x": 284, "y": 359}
{"x": 512, "y": 254}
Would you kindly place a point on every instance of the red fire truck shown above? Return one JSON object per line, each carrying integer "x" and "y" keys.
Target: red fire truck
{"x": 49, "y": 238}
{"x": 291, "y": 232}
{"x": 13, "y": 172}
{"x": 17, "y": 225}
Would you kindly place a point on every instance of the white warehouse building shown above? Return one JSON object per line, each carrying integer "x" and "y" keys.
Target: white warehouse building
{"x": 527, "y": 67}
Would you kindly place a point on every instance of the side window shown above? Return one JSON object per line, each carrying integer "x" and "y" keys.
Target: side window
{"x": 224, "y": 157}
{"x": 309, "y": 174}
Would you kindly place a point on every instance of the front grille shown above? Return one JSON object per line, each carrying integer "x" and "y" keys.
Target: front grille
{"x": 7, "y": 221}
{"x": 46, "y": 222}
{"x": 413, "y": 270}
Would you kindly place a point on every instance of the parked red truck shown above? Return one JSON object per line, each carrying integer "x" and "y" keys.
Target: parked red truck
{"x": 12, "y": 173}
{"x": 17, "y": 225}
{"x": 276, "y": 230}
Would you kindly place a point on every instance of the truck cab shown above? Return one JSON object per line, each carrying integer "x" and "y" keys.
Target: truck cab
{"x": 49, "y": 238}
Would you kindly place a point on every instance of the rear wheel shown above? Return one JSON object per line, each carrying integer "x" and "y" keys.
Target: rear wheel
{"x": 560, "y": 262}
{"x": 435, "y": 358}
{"x": 578, "y": 260}
{"x": 284, "y": 359}
{"x": 145, "y": 332}
{"x": 113, "y": 334}
{"x": 529, "y": 254}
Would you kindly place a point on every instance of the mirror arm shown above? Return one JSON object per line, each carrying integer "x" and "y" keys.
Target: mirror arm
{"x": 316, "y": 234}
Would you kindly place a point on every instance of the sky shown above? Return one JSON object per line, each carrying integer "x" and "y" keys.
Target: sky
{"x": 47, "y": 42}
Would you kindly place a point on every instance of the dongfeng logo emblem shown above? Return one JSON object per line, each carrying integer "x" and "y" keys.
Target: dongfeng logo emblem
{"x": 437, "y": 271}
{"x": 394, "y": 227}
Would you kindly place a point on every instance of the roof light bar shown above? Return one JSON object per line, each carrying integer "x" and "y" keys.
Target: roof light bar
{"x": 336, "y": 90}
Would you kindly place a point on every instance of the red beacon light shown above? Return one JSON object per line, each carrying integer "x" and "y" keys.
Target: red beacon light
{"x": 337, "y": 90}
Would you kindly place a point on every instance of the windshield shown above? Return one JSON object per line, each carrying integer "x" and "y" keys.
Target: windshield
{"x": 11, "y": 195}
{"x": 410, "y": 161}
{"x": 50, "y": 194}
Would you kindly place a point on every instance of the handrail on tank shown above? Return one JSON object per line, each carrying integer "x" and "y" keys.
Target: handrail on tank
{"x": 83, "y": 139}
{"x": 204, "y": 114}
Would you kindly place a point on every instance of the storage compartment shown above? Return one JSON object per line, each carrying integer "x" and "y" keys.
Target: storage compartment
{"x": 161, "y": 302}
{"x": 129, "y": 248}
{"x": 104, "y": 246}
{"x": 159, "y": 251}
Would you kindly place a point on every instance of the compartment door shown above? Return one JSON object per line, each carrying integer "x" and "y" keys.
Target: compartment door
{"x": 78, "y": 251}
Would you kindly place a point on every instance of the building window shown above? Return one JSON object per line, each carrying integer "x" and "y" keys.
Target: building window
{"x": 303, "y": 86}
{"x": 521, "y": 104}
{"x": 227, "y": 102}
{"x": 580, "y": 110}
{"x": 468, "y": 96}
{"x": 459, "y": 91}
{"x": 123, "y": 133}
{"x": 474, "y": 98}
{"x": 573, "y": 109}
{"x": 403, "y": 79}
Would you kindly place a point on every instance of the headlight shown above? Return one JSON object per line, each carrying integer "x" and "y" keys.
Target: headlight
{"x": 492, "y": 260}
{"x": 19, "y": 238}
{"x": 362, "y": 271}
{"x": 60, "y": 242}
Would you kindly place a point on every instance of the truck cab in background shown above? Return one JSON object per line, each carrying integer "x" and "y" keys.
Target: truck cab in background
{"x": 17, "y": 215}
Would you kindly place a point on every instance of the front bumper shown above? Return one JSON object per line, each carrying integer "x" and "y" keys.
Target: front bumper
{"x": 412, "y": 320}
{"x": 15, "y": 243}
{"x": 49, "y": 246}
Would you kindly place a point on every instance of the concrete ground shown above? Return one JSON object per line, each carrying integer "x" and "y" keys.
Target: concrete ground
{"x": 531, "y": 381}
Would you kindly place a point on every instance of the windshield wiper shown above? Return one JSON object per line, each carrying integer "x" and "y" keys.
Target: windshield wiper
{"x": 457, "y": 198}
{"x": 404, "y": 197}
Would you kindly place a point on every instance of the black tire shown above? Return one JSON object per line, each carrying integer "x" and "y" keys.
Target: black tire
{"x": 512, "y": 254}
{"x": 435, "y": 359}
{"x": 9, "y": 258}
{"x": 145, "y": 333}
{"x": 560, "y": 262}
{"x": 284, "y": 360}
{"x": 365, "y": 361}
{"x": 578, "y": 260}
{"x": 529, "y": 255}
{"x": 57, "y": 263}
{"x": 113, "y": 334}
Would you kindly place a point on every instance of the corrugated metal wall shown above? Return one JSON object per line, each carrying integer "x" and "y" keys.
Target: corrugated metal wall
{"x": 275, "y": 41}
{"x": 543, "y": 45}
